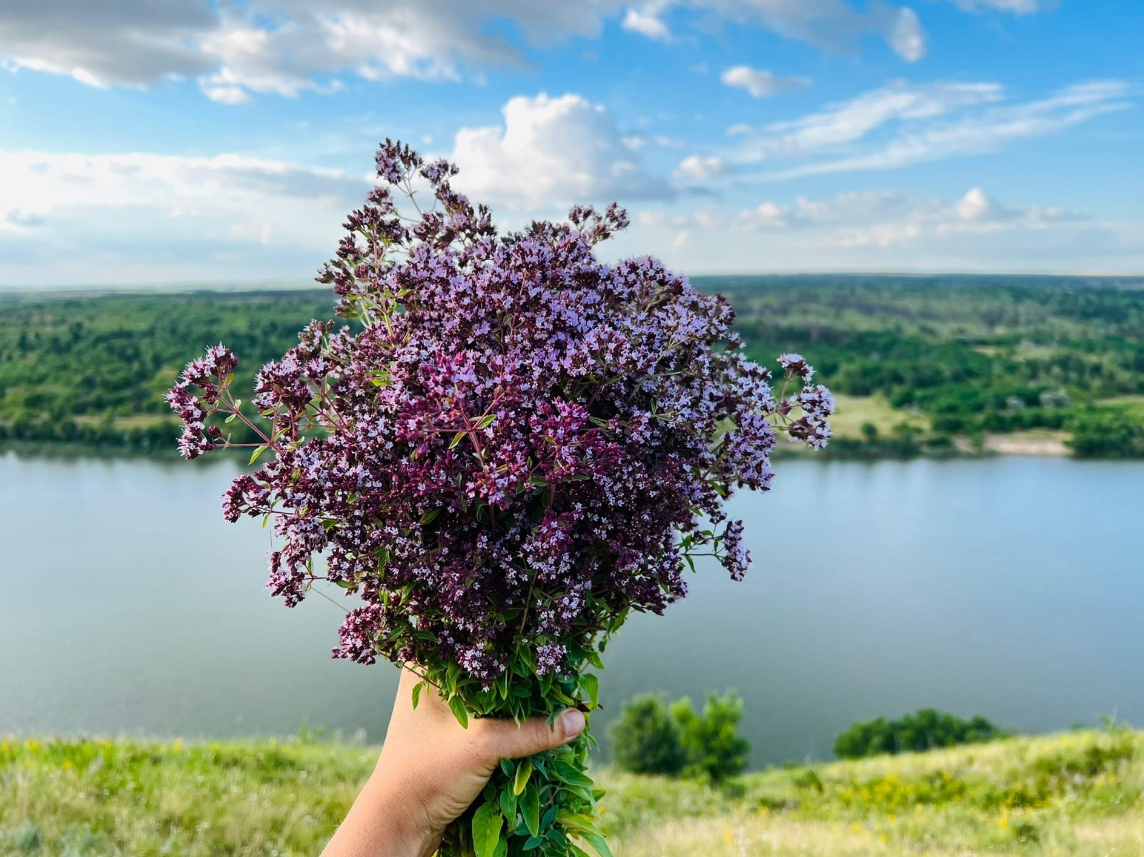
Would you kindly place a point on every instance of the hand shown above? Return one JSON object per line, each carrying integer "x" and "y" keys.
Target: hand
{"x": 431, "y": 769}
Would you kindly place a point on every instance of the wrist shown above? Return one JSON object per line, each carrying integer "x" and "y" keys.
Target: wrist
{"x": 402, "y": 823}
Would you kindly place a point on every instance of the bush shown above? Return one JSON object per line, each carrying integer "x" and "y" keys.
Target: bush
{"x": 715, "y": 750}
{"x": 646, "y": 739}
{"x": 926, "y": 730}
{"x": 1106, "y": 433}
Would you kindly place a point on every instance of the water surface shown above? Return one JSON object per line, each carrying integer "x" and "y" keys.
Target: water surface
{"x": 1010, "y": 587}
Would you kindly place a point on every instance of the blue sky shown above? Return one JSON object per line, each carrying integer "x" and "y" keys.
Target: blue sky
{"x": 158, "y": 141}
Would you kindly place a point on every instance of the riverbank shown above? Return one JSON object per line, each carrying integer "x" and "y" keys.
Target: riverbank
{"x": 1077, "y": 794}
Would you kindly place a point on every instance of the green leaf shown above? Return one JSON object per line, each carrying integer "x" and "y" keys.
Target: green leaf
{"x": 530, "y": 808}
{"x": 457, "y": 706}
{"x": 549, "y": 817}
{"x": 508, "y": 806}
{"x": 417, "y": 688}
{"x": 487, "y": 823}
{"x": 429, "y": 516}
{"x": 580, "y": 824}
{"x": 523, "y": 772}
{"x": 231, "y": 418}
{"x": 599, "y": 844}
{"x": 507, "y": 766}
{"x": 485, "y": 422}
{"x": 456, "y": 439}
{"x": 591, "y": 686}
{"x": 346, "y": 584}
{"x": 568, "y": 773}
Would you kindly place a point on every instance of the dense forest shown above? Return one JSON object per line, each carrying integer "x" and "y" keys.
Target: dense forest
{"x": 922, "y": 364}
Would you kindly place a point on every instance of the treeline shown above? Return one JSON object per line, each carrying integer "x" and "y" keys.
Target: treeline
{"x": 94, "y": 370}
{"x": 972, "y": 355}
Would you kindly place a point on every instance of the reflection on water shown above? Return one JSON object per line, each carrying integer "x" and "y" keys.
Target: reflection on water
{"x": 1010, "y": 587}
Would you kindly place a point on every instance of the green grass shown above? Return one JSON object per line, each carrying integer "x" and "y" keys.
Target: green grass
{"x": 1071, "y": 794}
{"x": 854, "y": 411}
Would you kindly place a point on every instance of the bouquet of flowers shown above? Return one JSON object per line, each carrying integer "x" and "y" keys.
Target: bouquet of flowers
{"x": 509, "y": 448}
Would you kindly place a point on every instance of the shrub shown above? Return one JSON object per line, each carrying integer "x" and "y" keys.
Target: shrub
{"x": 1106, "y": 433}
{"x": 647, "y": 739}
{"x": 926, "y": 730}
{"x": 715, "y": 750}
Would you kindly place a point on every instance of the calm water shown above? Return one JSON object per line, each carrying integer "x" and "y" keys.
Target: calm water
{"x": 1010, "y": 587}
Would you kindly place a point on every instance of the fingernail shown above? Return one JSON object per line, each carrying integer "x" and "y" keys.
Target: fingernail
{"x": 573, "y": 723}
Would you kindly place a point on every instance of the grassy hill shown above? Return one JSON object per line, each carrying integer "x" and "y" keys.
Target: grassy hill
{"x": 1077, "y": 794}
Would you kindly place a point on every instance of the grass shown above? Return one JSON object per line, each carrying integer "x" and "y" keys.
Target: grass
{"x": 1077, "y": 794}
{"x": 854, "y": 411}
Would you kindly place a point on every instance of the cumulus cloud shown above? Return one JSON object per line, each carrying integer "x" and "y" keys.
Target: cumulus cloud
{"x": 646, "y": 23}
{"x": 880, "y": 218}
{"x": 141, "y": 212}
{"x": 286, "y": 46}
{"x": 974, "y": 213}
{"x": 696, "y": 167}
{"x": 760, "y": 82}
{"x": 552, "y": 152}
{"x": 892, "y": 231}
{"x": 635, "y": 142}
{"x": 129, "y": 42}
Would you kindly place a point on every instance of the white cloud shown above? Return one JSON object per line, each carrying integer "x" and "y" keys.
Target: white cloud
{"x": 871, "y": 217}
{"x": 760, "y": 82}
{"x": 286, "y": 46}
{"x": 635, "y": 142}
{"x": 551, "y": 152}
{"x": 129, "y": 42}
{"x": 696, "y": 167}
{"x": 150, "y": 213}
{"x": 647, "y": 24}
{"x": 892, "y": 231}
{"x": 829, "y": 24}
{"x": 973, "y": 214}
{"x": 984, "y": 132}
{"x": 903, "y": 124}
{"x": 850, "y": 121}
{"x": 906, "y": 36}
{"x": 1017, "y": 7}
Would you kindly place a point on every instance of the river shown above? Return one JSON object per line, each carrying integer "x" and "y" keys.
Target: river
{"x": 1012, "y": 587}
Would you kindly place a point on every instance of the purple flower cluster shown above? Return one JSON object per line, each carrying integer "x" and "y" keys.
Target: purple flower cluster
{"x": 512, "y": 445}
{"x": 212, "y": 375}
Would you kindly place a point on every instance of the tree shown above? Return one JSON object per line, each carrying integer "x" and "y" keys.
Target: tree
{"x": 715, "y": 750}
{"x": 926, "y": 730}
{"x": 647, "y": 739}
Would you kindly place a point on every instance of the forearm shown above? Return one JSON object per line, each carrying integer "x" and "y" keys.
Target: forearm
{"x": 382, "y": 823}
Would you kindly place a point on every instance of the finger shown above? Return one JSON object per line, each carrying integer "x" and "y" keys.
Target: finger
{"x": 507, "y": 740}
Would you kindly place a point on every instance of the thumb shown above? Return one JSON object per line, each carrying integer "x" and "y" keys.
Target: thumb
{"x": 509, "y": 741}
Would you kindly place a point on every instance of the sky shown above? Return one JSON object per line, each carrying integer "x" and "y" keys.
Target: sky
{"x": 195, "y": 141}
